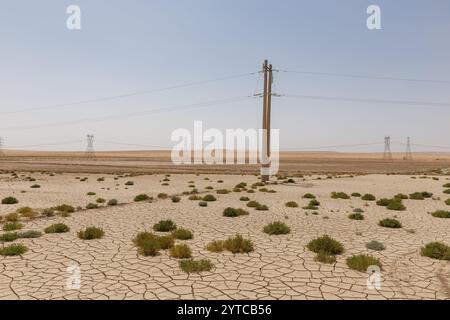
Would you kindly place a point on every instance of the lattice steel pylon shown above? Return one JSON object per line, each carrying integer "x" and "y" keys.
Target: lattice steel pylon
{"x": 90, "y": 146}
{"x": 408, "y": 153}
{"x": 387, "y": 155}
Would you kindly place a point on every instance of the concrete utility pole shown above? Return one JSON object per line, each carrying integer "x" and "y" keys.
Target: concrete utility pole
{"x": 387, "y": 155}
{"x": 408, "y": 153}
{"x": 90, "y": 146}
{"x": 267, "y": 105}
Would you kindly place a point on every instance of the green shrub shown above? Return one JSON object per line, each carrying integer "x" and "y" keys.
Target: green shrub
{"x": 447, "y": 191}
{"x": 325, "y": 258}
{"x": 162, "y": 195}
{"x": 209, "y": 197}
{"x": 401, "y": 196}
{"x": 175, "y": 199}
{"x": 339, "y": 195}
{"x": 313, "y": 205}
{"x": 222, "y": 191}
{"x": 182, "y": 234}
{"x": 203, "y": 204}
{"x": 141, "y": 197}
{"x": 251, "y": 191}
{"x": 262, "y": 207}
{"x": 9, "y": 236}
{"x": 383, "y": 202}
{"x": 11, "y": 226}
{"x": 244, "y": 199}
{"x": 165, "y": 226}
{"x": 12, "y": 217}
{"x": 100, "y": 200}
{"x": 362, "y": 261}
{"x": 358, "y": 210}
{"x": 35, "y": 186}
{"x": 309, "y": 196}
{"x": 436, "y": 250}
{"x": 90, "y": 206}
{"x": 10, "y": 200}
{"x": 129, "y": 183}
{"x": 195, "y": 266}
{"x": 368, "y": 197}
{"x": 356, "y": 194}
{"x": 447, "y": 202}
{"x": 426, "y": 194}
{"x": 91, "y": 233}
{"x": 390, "y": 223}
{"x": 416, "y": 196}
{"x": 30, "y": 234}
{"x": 276, "y": 227}
{"x": 375, "y": 245}
{"x": 447, "y": 185}
{"x": 238, "y": 244}
{"x": 215, "y": 246}
{"x": 441, "y": 214}
{"x": 48, "y": 212}
{"x": 147, "y": 243}
{"x": 90, "y": 193}
{"x": 356, "y": 216}
{"x": 326, "y": 244}
{"x": 13, "y": 250}
{"x": 232, "y": 212}
{"x": 291, "y": 204}
{"x": 181, "y": 251}
{"x": 396, "y": 204}
{"x": 112, "y": 202}
{"x": 57, "y": 228}
{"x": 64, "y": 208}
{"x": 195, "y": 197}
{"x": 253, "y": 204}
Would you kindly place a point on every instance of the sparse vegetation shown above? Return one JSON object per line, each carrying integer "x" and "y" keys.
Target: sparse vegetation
{"x": 209, "y": 197}
{"x": 447, "y": 191}
{"x": 375, "y": 245}
{"x": 368, "y": 197}
{"x": 309, "y": 196}
{"x": 447, "y": 202}
{"x": 356, "y": 216}
{"x": 401, "y": 196}
{"x": 13, "y": 250}
{"x": 35, "y": 186}
{"x": 195, "y": 266}
{"x": 396, "y": 204}
{"x": 11, "y": 226}
{"x": 356, "y": 194}
{"x": 203, "y": 204}
{"x": 291, "y": 204}
{"x": 30, "y": 234}
{"x": 91, "y": 193}
{"x": 9, "y": 236}
{"x": 9, "y": 200}
{"x": 129, "y": 183}
{"x": 181, "y": 251}
{"x": 57, "y": 228}
{"x": 91, "y": 233}
{"x": 236, "y": 244}
{"x": 165, "y": 226}
{"x": 64, "y": 208}
{"x": 100, "y": 200}
{"x": 175, "y": 199}
{"x": 362, "y": 261}
{"x": 141, "y": 197}
{"x": 390, "y": 223}
{"x": 232, "y": 212}
{"x": 195, "y": 197}
{"x": 436, "y": 250}
{"x": 383, "y": 202}
{"x": 112, "y": 202}
{"x": 182, "y": 234}
{"x": 244, "y": 199}
{"x": 441, "y": 214}
{"x": 339, "y": 195}
{"x": 326, "y": 245}
{"x": 276, "y": 228}
{"x": 416, "y": 196}
{"x": 162, "y": 195}
{"x": 325, "y": 258}
{"x": 222, "y": 191}
{"x": 91, "y": 205}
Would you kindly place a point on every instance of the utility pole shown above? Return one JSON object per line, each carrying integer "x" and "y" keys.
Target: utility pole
{"x": 387, "y": 155}
{"x": 408, "y": 153}
{"x": 266, "y": 116}
{"x": 90, "y": 146}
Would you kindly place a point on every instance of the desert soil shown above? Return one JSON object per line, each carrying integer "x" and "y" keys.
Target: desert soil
{"x": 280, "y": 267}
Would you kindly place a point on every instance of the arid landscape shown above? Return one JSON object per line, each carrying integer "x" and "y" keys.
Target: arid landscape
{"x": 310, "y": 233}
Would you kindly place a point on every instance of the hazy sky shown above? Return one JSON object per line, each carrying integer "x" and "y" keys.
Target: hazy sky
{"x": 130, "y": 46}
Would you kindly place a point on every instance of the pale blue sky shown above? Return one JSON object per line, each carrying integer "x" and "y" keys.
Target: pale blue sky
{"x": 128, "y": 46}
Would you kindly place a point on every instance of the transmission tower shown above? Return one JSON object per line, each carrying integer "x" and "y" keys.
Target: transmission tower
{"x": 408, "y": 153}
{"x": 1, "y": 147}
{"x": 387, "y": 155}
{"x": 90, "y": 146}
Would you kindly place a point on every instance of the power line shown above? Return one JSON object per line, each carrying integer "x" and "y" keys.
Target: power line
{"x": 126, "y": 95}
{"x": 368, "y": 100}
{"x": 133, "y": 144}
{"x": 134, "y": 114}
{"x": 45, "y": 144}
{"x": 347, "y": 75}
{"x": 333, "y": 146}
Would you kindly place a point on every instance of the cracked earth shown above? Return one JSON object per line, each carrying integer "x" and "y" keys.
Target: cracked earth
{"x": 281, "y": 267}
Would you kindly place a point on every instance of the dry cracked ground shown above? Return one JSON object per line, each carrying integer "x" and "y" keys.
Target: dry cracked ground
{"x": 280, "y": 267}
